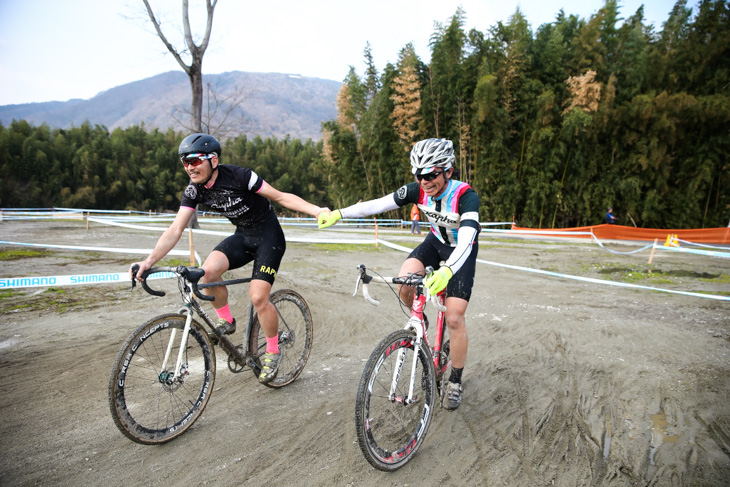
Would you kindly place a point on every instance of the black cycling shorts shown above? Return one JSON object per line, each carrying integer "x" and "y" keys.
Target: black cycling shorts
{"x": 263, "y": 244}
{"x": 432, "y": 252}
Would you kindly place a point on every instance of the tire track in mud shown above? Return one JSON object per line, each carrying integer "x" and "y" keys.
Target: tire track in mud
{"x": 538, "y": 410}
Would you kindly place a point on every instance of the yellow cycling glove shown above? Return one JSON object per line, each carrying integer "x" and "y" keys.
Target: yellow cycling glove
{"x": 438, "y": 280}
{"x": 327, "y": 219}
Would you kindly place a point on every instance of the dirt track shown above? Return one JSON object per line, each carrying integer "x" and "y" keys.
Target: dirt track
{"x": 567, "y": 382}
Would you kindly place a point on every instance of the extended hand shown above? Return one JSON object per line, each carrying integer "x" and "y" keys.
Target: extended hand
{"x": 438, "y": 280}
{"x": 327, "y": 219}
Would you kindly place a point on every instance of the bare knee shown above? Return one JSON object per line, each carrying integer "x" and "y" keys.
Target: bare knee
{"x": 455, "y": 322}
{"x": 259, "y": 299}
{"x": 214, "y": 266}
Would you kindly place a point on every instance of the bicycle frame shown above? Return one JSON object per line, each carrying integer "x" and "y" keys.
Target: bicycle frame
{"x": 188, "y": 290}
{"x": 416, "y": 323}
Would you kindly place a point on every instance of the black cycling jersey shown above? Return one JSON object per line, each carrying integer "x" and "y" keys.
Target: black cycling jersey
{"x": 234, "y": 195}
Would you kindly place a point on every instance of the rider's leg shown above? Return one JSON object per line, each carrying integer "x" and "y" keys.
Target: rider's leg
{"x": 410, "y": 266}
{"x": 458, "y": 337}
{"x": 269, "y": 319}
{"x": 260, "y": 291}
{"x": 215, "y": 265}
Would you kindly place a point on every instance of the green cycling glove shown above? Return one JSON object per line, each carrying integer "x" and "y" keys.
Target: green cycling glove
{"x": 327, "y": 219}
{"x": 438, "y": 280}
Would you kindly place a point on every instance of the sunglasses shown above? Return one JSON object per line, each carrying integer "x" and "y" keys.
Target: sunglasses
{"x": 429, "y": 177}
{"x": 195, "y": 160}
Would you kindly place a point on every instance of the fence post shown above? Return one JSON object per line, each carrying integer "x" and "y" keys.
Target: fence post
{"x": 376, "y": 231}
{"x": 653, "y": 249}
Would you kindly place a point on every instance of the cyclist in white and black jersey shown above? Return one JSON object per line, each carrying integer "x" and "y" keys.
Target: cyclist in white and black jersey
{"x": 245, "y": 199}
{"x": 452, "y": 208}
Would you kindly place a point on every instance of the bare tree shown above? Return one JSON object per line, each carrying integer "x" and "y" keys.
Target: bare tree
{"x": 219, "y": 115}
{"x": 196, "y": 52}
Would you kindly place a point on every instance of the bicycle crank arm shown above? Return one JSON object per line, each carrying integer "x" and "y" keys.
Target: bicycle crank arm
{"x": 256, "y": 368}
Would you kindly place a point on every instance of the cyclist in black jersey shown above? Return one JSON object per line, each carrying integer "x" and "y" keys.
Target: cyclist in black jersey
{"x": 452, "y": 208}
{"x": 245, "y": 199}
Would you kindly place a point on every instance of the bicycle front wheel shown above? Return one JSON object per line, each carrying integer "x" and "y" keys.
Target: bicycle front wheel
{"x": 149, "y": 404}
{"x": 390, "y": 427}
{"x": 296, "y": 332}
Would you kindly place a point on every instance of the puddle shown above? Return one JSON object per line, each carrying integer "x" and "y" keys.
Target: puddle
{"x": 659, "y": 434}
{"x": 9, "y": 342}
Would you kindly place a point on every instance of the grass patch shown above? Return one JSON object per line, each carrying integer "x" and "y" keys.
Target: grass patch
{"x": 720, "y": 279}
{"x": 59, "y": 300}
{"x": 173, "y": 262}
{"x": 659, "y": 276}
{"x": 14, "y": 254}
{"x": 338, "y": 247}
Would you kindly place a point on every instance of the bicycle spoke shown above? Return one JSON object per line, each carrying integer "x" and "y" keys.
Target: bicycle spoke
{"x": 151, "y": 405}
{"x": 295, "y": 336}
{"x": 390, "y": 428}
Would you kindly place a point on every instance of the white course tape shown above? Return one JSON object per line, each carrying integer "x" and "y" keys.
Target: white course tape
{"x": 579, "y": 278}
{"x": 100, "y": 249}
{"x": 73, "y": 280}
{"x": 711, "y": 253}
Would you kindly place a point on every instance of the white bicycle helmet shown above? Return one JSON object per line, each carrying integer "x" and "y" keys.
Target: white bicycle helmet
{"x": 429, "y": 154}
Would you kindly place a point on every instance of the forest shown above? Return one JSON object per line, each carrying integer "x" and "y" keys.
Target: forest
{"x": 550, "y": 127}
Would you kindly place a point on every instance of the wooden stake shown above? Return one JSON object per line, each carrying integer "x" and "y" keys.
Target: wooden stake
{"x": 376, "y": 231}
{"x": 87, "y": 219}
{"x": 192, "y": 247}
{"x": 653, "y": 249}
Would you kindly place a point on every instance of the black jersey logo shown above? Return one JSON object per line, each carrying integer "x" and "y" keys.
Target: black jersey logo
{"x": 402, "y": 192}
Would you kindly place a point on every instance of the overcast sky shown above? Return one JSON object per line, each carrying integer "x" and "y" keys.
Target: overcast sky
{"x": 64, "y": 49}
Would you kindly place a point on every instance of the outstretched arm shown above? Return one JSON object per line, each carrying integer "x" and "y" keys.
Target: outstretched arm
{"x": 365, "y": 208}
{"x": 289, "y": 200}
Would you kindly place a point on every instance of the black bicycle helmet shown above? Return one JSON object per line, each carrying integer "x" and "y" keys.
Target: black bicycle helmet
{"x": 199, "y": 143}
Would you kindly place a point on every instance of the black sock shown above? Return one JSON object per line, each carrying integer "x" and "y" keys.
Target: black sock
{"x": 456, "y": 375}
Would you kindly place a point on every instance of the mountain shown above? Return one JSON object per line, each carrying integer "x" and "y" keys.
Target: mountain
{"x": 271, "y": 104}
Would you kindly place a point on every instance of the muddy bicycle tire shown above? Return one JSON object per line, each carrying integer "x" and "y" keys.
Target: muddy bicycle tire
{"x": 296, "y": 332}
{"x": 148, "y": 406}
{"x": 390, "y": 432}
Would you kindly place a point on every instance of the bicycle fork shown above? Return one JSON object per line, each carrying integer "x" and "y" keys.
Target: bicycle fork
{"x": 165, "y": 375}
{"x": 415, "y": 323}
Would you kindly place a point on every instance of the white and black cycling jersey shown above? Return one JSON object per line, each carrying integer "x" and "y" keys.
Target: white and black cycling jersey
{"x": 456, "y": 207}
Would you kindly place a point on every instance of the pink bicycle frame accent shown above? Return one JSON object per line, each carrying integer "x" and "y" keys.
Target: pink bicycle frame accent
{"x": 417, "y": 307}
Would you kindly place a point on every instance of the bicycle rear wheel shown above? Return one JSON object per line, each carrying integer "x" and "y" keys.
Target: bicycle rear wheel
{"x": 296, "y": 332}
{"x": 147, "y": 404}
{"x": 389, "y": 430}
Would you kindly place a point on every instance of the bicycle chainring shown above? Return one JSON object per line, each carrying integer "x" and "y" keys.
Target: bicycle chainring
{"x": 234, "y": 366}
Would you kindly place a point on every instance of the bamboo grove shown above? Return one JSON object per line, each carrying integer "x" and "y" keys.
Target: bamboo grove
{"x": 550, "y": 127}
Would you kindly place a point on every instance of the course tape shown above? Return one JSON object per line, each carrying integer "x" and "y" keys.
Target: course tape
{"x": 579, "y": 278}
{"x": 711, "y": 253}
{"x": 616, "y": 251}
{"x": 73, "y": 280}
{"x": 348, "y": 241}
{"x": 100, "y": 249}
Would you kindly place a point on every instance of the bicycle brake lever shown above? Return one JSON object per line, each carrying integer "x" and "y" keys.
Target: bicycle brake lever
{"x": 135, "y": 269}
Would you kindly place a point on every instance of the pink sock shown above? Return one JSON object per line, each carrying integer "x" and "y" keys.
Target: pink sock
{"x": 272, "y": 344}
{"x": 225, "y": 313}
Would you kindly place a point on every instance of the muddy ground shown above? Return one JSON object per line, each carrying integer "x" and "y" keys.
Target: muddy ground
{"x": 567, "y": 382}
